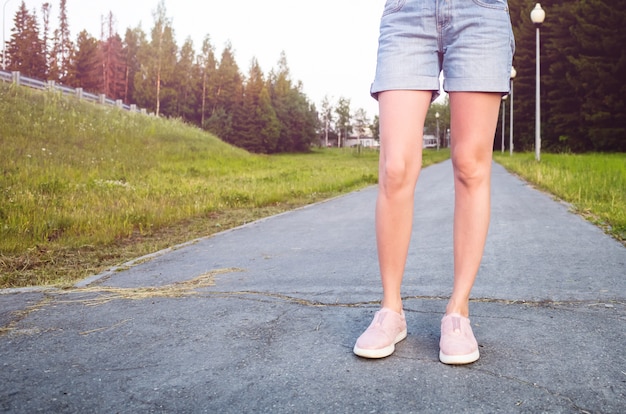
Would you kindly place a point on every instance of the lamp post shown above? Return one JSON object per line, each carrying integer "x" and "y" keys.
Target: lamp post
{"x": 513, "y": 74}
{"x": 537, "y": 15}
{"x": 437, "y": 118}
{"x": 4, "y": 43}
{"x": 503, "y": 120}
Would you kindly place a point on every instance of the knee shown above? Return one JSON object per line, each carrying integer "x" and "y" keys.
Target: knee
{"x": 395, "y": 177}
{"x": 470, "y": 171}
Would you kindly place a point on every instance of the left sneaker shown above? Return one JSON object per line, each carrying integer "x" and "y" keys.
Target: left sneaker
{"x": 380, "y": 338}
{"x": 457, "y": 345}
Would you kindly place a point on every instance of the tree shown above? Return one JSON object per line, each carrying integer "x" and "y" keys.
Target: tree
{"x": 26, "y": 51}
{"x": 326, "y": 120}
{"x": 297, "y": 116}
{"x": 599, "y": 69}
{"x": 112, "y": 62}
{"x": 154, "y": 83}
{"x": 344, "y": 128}
{"x": 361, "y": 123}
{"x": 134, "y": 39}
{"x": 63, "y": 47}
{"x": 85, "y": 70}
{"x": 258, "y": 130}
{"x": 185, "y": 82}
{"x": 430, "y": 124}
{"x": 583, "y": 59}
{"x": 45, "y": 11}
{"x": 208, "y": 67}
{"x": 375, "y": 128}
{"x": 228, "y": 97}
{"x": 280, "y": 90}
{"x": 563, "y": 107}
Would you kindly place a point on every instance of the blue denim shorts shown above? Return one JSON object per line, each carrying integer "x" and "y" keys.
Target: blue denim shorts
{"x": 471, "y": 41}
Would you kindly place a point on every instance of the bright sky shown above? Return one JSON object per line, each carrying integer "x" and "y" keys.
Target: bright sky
{"x": 330, "y": 44}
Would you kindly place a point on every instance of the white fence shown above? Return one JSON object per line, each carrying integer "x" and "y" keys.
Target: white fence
{"x": 79, "y": 93}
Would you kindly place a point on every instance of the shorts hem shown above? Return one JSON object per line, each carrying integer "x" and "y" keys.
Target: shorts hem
{"x": 476, "y": 85}
{"x": 417, "y": 84}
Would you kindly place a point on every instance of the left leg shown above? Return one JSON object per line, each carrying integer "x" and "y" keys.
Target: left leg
{"x": 473, "y": 125}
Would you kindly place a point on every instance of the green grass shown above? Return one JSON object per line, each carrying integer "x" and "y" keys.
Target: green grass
{"x": 86, "y": 187}
{"x": 594, "y": 184}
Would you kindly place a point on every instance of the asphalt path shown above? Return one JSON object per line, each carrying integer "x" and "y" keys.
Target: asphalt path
{"x": 263, "y": 318}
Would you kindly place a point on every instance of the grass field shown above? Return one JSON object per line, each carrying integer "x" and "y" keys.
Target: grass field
{"x": 594, "y": 184}
{"x": 85, "y": 187}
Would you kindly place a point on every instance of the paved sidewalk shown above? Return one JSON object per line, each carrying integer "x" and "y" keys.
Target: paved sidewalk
{"x": 263, "y": 319}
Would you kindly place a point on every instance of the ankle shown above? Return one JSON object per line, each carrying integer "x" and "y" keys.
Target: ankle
{"x": 461, "y": 307}
{"x": 394, "y": 305}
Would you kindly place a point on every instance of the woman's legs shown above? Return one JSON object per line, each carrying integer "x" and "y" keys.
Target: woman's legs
{"x": 402, "y": 115}
{"x": 474, "y": 118}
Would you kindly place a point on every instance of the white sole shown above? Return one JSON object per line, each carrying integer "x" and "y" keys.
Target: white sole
{"x": 382, "y": 352}
{"x": 459, "y": 359}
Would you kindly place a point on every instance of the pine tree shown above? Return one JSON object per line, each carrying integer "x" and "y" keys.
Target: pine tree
{"x": 583, "y": 59}
{"x": 185, "y": 83}
{"x": 45, "y": 10}
{"x": 63, "y": 48}
{"x": 208, "y": 67}
{"x": 133, "y": 41}
{"x": 565, "y": 128}
{"x": 228, "y": 98}
{"x": 258, "y": 129}
{"x": 524, "y": 83}
{"x": 298, "y": 118}
{"x": 85, "y": 70}
{"x": 281, "y": 94}
{"x": 599, "y": 69}
{"x": 154, "y": 85}
{"x": 113, "y": 67}
{"x": 25, "y": 51}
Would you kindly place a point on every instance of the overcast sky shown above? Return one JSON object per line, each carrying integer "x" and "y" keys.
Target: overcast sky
{"x": 330, "y": 44}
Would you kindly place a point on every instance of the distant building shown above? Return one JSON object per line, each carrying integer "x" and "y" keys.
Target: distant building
{"x": 365, "y": 139}
{"x": 430, "y": 141}
{"x": 366, "y": 142}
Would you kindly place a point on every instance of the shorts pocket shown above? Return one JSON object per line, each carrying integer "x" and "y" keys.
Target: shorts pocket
{"x": 493, "y": 4}
{"x": 392, "y": 6}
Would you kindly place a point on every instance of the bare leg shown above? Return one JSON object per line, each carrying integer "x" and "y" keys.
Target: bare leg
{"x": 402, "y": 115}
{"x": 473, "y": 124}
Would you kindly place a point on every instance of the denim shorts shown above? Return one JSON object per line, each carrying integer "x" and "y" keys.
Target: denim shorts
{"x": 471, "y": 41}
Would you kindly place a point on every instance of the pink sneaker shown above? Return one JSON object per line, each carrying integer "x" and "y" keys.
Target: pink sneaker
{"x": 457, "y": 344}
{"x": 380, "y": 338}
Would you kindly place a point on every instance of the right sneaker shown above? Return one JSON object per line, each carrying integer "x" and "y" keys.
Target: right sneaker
{"x": 457, "y": 344}
{"x": 380, "y": 338}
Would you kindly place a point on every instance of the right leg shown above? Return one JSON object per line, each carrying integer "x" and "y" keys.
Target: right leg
{"x": 402, "y": 115}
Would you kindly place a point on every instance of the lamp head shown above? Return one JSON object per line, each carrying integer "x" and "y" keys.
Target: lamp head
{"x": 537, "y": 15}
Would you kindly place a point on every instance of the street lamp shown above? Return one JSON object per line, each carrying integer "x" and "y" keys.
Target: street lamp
{"x": 503, "y": 119}
{"x": 513, "y": 74}
{"x": 437, "y": 118}
{"x": 537, "y": 15}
